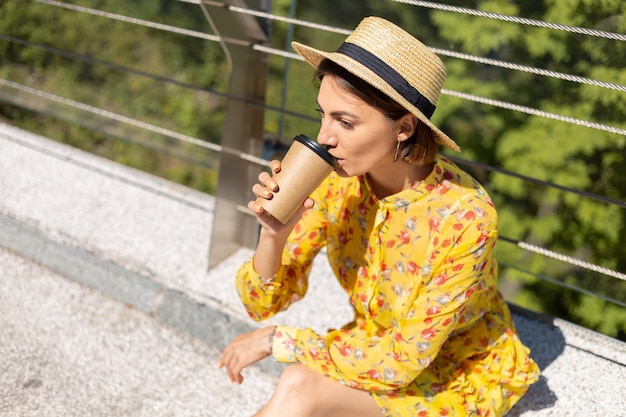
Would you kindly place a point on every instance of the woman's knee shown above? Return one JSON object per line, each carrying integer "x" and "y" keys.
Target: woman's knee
{"x": 303, "y": 392}
{"x": 306, "y": 392}
{"x": 294, "y": 394}
{"x": 297, "y": 379}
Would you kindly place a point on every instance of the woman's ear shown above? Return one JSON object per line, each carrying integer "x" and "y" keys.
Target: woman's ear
{"x": 407, "y": 125}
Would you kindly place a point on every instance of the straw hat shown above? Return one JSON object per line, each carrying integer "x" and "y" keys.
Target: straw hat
{"x": 394, "y": 62}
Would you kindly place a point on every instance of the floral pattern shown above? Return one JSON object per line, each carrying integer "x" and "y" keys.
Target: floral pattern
{"x": 432, "y": 335}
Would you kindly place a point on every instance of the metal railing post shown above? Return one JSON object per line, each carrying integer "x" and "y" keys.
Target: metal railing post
{"x": 243, "y": 132}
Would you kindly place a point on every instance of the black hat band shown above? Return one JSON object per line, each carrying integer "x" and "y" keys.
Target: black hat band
{"x": 389, "y": 75}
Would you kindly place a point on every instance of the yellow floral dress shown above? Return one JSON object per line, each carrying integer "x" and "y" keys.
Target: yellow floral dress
{"x": 432, "y": 335}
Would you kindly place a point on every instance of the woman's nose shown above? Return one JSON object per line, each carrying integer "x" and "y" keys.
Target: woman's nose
{"x": 325, "y": 138}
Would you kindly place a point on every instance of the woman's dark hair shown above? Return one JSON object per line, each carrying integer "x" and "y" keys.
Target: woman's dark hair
{"x": 420, "y": 148}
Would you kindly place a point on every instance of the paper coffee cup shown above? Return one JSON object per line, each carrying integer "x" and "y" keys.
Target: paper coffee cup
{"x": 305, "y": 165}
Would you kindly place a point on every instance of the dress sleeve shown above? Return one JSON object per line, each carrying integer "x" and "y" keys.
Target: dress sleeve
{"x": 264, "y": 298}
{"x": 453, "y": 292}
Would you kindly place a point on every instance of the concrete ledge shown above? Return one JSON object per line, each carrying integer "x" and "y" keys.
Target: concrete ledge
{"x": 206, "y": 320}
{"x": 80, "y": 265}
{"x": 144, "y": 241}
{"x": 70, "y": 351}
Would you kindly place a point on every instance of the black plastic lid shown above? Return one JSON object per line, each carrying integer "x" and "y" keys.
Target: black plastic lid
{"x": 318, "y": 149}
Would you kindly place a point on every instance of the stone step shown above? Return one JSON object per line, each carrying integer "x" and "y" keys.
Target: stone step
{"x": 67, "y": 350}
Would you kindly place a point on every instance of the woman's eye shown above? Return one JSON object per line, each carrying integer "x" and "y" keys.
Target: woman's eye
{"x": 346, "y": 124}
{"x": 320, "y": 111}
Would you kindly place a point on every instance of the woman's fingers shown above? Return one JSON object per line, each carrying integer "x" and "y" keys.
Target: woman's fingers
{"x": 275, "y": 166}
{"x": 267, "y": 181}
{"x": 255, "y": 207}
{"x": 230, "y": 363}
{"x": 264, "y": 190}
{"x": 243, "y": 351}
{"x": 261, "y": 191}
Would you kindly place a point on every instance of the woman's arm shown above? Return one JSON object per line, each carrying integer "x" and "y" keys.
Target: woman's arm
{"x": 277, "y": 275}
{"x": 274, "y": 234}
{"x": 280, "y": 279}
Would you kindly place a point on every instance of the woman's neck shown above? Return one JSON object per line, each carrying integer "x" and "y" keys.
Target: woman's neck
{"x": 398, "y": 178}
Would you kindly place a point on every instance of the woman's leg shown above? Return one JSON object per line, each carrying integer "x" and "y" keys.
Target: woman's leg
{"x": 302, "y": 392}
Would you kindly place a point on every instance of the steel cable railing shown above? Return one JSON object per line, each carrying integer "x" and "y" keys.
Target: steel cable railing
{"x": 562, "y": 284}
{"x": 134, "y": 122}
{"x": 530, "y": 70}
{"x": 156, "y": 77}
{"x": 430, "y": 5}
{"x": 567, "y": 259}
{"x": 526, "y": 178}
{"x": 202, "y": 35}
{"x": 516, "y": 19}
{"x": 260, "y": 161}
{"x": 535, "y": 112}
{"x": 169, "y": 80}
{"x": 444, "y": 52}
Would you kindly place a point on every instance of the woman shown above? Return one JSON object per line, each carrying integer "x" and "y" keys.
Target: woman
{"x": 410, "y": 238}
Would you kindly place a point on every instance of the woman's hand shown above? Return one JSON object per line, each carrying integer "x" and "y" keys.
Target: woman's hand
{"x": 245, "y": 350}
{"x": 265, "y": 189}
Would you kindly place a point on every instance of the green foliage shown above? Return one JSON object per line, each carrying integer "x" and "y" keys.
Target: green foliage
{"x": 479, "y": 36}
{"x": 607, "y": 318}
{"x": 117, "y": 44}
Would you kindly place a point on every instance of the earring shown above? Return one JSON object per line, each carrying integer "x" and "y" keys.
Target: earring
{"x": 395, "y": 158}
